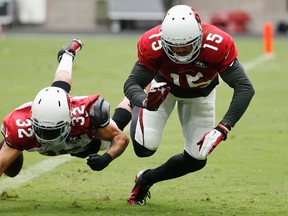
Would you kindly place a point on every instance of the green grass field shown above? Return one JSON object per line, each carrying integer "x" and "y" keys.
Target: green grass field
{"x": 246, "y": 175}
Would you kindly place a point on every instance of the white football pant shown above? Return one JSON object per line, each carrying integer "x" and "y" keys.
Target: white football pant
{"x": 196, "y": 115}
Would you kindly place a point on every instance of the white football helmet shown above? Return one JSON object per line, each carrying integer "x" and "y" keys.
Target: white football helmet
{"x": 51, "y": 116}
{"x": 181, "y": 27}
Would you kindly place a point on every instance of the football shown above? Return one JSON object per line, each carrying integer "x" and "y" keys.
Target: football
{"x": 16, "y": 166}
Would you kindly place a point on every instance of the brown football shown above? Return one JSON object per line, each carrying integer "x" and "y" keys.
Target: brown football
{"x": 16, "y": 166}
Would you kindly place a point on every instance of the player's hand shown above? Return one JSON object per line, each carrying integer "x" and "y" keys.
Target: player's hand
{"x": 211, "y": 139}
{"x": 99, "y": 162}
{"x": 156, "y": 95}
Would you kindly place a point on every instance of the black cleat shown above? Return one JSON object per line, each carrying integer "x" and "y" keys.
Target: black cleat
{"x": 140, "y": 191}
{"x": 72, "y": 49}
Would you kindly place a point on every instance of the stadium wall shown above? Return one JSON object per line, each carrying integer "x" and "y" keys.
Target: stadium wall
{"x": 91, "y": 15}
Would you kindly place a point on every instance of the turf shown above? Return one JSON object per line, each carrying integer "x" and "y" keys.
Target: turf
{"x": 246, "y": 175}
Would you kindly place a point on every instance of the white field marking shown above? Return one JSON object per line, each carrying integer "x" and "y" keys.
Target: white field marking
{"x": 253, "y": 64}
{"x": 261, "y": 59}
{"x": 49, "y": 164}
{"x": 33, "y": 172}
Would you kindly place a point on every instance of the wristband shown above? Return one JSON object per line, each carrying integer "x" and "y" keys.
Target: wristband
{"x": 224, "y": 130}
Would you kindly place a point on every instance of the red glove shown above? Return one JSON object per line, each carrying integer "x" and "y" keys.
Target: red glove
{"x": 156, "y": 95}
{"x": 211, "y": 139}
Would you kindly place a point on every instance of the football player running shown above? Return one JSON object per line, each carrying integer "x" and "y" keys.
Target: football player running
{"x": 182, "y": 59}
{"x": 56, "y": 123}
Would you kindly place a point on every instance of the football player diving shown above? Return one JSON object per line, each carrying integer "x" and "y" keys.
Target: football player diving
{"x": 55, "y": 123}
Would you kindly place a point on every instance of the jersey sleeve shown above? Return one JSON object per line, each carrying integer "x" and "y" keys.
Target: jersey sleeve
{"x": 230, "y": 53}
{"x": 17, "y": 128}
{"x": 218, "y": 47}
{"x": 88, "y": 112}
{"x": 149, "y": 49}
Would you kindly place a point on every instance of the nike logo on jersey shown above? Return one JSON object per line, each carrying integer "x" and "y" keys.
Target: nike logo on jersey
{"x": 73, "y": 140}
{"x": 199, "y": 64}
{"x": 227, "y": 54}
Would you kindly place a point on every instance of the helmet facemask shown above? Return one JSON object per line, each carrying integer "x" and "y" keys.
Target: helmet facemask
{"x": 179, "y": 59}
{"x": 49, "y": 136}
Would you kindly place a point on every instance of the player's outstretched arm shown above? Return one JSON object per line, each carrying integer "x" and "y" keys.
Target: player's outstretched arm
{"x": 119, "y": 142}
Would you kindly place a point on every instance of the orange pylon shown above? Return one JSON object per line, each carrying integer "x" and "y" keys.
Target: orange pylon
{"x": 268, "y": 37}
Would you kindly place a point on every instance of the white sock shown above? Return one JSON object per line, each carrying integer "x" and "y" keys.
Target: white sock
{"x": 65, "y": 64}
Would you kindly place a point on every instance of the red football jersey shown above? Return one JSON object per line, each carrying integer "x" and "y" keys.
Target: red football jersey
{"x": 217, "y": 52}
{"x": 17, "y": 128}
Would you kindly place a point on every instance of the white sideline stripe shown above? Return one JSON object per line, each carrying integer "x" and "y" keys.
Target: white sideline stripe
{"x": 253, "y": 64}
{"x": 261, "y": 59}
{"x": 49, "y": 164}
{"x": 33, "y": 172}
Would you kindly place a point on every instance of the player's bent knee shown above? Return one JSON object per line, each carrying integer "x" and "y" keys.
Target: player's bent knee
{"x": 196, "y": 164}
{"x": 201, "y": 164}
{"x": 141, "y": 151}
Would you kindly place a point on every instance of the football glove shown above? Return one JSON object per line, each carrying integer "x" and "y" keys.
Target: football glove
{"x": 99, "y": 162}
{"x": 211, "y": 139}
{"x": 156, "y": 95}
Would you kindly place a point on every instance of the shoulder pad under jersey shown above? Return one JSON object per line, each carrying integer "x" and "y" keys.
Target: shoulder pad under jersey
{"x": 99, "y": 114}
